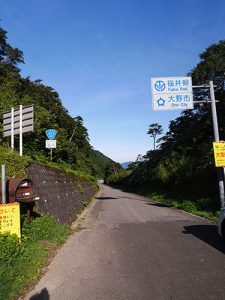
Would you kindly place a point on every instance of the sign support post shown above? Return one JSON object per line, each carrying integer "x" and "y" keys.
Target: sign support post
{"x": 3, "y": 185}
{"x": 220, "y": 173}
{"x": 50, "y": 155}
{"x": 21, "y": 131}
{"x": 12, "y": 128}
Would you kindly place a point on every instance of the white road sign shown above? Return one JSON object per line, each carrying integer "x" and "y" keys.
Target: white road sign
{"x": 51, "y": 144}
{"x": 18, "y": 121}
{"x": 12, "y": 119}
{"x": 169, "y": 93}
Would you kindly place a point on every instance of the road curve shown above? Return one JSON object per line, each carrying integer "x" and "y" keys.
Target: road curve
{"x": 132, "y": 249}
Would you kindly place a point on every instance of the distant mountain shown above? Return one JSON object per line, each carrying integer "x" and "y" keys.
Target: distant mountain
{"x": 104, "y": 162}
{"x": 103, "y": 159}
{"x": 126, "y": 164}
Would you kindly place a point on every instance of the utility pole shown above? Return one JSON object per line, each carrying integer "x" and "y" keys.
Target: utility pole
{"x": 220, "y": 172}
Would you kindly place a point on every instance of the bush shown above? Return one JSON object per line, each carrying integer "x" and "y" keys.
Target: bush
{"x": 45, "y": 228}
{"x": 175, "y": 168}
{"x": 189, "y": 206}
{"x": 21, "y": 262}
{"x": 15, "y": 164}
{"x": 118, "y": 178}
{"x": 10, "y": 248}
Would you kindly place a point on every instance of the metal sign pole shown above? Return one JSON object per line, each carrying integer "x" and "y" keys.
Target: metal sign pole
{"x": 217, "y": 139}
{"x": 12, "y": 128}
{"x": 21, "y": 130}
{"x": 214, "y": 114}
{"x": 3, "y": 185}
{"x": 50, "y": 155}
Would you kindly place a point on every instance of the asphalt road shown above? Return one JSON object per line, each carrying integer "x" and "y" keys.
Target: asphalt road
{"x": 133, "y": 249}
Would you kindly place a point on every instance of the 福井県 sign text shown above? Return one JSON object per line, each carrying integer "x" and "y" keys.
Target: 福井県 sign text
{"x": 169, "y": 93}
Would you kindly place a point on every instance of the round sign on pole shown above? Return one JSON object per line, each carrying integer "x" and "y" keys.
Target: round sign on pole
{"x": 51, "y": 133}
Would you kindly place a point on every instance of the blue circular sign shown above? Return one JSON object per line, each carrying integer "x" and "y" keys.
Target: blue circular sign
{"x": 160, "y": 85}
{"x": 51, "y": 133}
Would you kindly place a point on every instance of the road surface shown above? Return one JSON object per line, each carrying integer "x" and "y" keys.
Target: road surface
{"x": 132, "y": 249}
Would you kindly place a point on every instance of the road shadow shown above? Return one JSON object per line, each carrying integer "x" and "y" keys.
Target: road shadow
{"x": 119, "y": 197}
{"x": 105, "y": 198}
{"x": 158, "y": 204}
{"x": 136, "y": 199}
{"x": 43, "y": 295}
{"x": 208, "y": 234}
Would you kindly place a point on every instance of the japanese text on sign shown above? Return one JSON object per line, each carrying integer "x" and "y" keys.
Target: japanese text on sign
{"x": 169, "y": 93}
{"x": 10, "y": 218}
{"x": 51, "y": 144}
{"x": 219, "y": 153}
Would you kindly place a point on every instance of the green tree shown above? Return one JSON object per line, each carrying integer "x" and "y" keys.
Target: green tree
{"x": 112, "y": 168}
{"x": 9, "y": 57}
{"x": 154, "y": 130}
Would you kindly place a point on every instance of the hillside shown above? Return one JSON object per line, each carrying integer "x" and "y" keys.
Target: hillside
{"x": 73, "y": 146}
{"x": 106, "y": 164}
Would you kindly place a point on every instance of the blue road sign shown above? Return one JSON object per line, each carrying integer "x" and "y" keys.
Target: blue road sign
{"x": 169, "y": 93}
{"x": 51, "y": 133}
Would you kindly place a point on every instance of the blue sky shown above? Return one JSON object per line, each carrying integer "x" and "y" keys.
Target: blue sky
{"x": 100, "y": 55}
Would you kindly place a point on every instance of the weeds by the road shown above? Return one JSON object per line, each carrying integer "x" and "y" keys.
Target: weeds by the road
{"x": 22, "y": 262}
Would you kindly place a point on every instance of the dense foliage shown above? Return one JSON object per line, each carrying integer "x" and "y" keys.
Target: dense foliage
{"x": 22, "y": 262}
{"x": 185, "y": 152}
{"x": 15, "y": 165}
{"x": 73, "y": 146}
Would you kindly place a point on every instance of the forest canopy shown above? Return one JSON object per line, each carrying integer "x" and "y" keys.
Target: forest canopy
{"x": 73, "y": 145}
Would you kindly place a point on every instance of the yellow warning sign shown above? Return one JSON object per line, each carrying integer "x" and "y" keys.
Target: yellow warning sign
{"x": 10, "y": 218}
{"x": 219, "y": 153}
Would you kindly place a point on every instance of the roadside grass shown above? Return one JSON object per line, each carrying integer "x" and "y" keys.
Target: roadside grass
{"x": 21, "y": 263}
{"x": 201, "y": 200}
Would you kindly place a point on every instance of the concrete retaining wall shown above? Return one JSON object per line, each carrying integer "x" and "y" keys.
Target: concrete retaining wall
{"x": 61, "y": 195}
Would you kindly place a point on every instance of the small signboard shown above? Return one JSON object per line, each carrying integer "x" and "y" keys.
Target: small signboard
{"x": 219, "y": 153}
{"x": 10, "y": 218}
{"x": 170, "y": 93}
{"x": 50, "y": 144}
